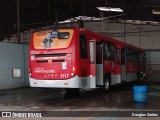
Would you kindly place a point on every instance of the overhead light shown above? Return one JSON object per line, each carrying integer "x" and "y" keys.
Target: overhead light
{"x": 157, "y": 12}
{"x": 110, "y": 9}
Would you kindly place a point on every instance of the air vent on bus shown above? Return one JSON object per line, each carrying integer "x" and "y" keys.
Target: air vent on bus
{"x": 50, "y": 55}
{"x": 42, "y": 61}
{"x": 57, "y": 60}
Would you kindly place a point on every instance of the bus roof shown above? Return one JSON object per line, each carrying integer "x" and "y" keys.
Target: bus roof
{"x": 97, "y": 35}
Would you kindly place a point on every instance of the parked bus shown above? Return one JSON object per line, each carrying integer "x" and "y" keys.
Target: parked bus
{"x": 79, "y": 58}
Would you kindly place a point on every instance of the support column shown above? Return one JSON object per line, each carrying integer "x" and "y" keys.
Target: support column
{"x": 18, "y": 22}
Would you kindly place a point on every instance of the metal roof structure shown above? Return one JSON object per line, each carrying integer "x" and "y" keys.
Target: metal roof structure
{"x": 36, "y": 13}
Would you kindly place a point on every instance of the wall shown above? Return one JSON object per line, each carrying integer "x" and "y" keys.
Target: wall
{"x": 13, "y": 56}
{"x": 140, "y": 35}
{"x": 144, "y": 36}
{"x": 153, "y": 65}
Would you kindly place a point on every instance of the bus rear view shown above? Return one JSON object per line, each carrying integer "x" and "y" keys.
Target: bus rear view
{"x": 50, "y": 61}
{"x": 80, "y": 58}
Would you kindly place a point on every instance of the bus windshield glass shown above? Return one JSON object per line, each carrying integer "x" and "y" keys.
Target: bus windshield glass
{"x": 52, "y": 39}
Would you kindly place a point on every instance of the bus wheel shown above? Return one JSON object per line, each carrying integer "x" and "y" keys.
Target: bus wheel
{"x": 107, "y": 83}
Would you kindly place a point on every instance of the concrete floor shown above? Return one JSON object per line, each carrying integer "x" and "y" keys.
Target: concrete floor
{"x": 39, "y": 99}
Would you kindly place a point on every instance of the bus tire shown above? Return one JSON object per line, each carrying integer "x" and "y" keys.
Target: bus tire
{"x": 107, "y": 83}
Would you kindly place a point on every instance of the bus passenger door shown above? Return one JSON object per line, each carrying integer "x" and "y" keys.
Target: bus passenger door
{"x": 99, "y": 64}
{"x": 92, "y": 76}
{"x": 123, "y": 63}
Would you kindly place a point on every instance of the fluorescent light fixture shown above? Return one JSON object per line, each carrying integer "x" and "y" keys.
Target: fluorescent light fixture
{"x": 110, "y": 9}
{"x": 157, "y": 12}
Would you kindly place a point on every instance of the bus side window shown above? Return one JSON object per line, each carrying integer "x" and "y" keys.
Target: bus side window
{"x": 131, "y": 55}
{"x": 109, "y": 51}
{"x": 105, "y": 51}
{"x": 123, "y": 56}
{"x": 92, "y": 54}
{"x": 83, "y": 46}
{"x": 98, "y": 54}
{"x": 118, "y": 55}
{"x": 135, "y": 56}
{"x": 138, "y": 57}
{"x": 128, "y": 55}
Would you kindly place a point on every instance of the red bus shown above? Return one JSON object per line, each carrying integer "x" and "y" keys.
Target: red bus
{"x": 79, "y": 58}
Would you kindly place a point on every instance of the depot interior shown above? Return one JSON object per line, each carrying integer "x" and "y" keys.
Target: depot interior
{"x": 135, "y": 22}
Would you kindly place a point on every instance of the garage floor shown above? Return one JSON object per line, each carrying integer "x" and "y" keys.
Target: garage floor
{"x": 40, "y": 99}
